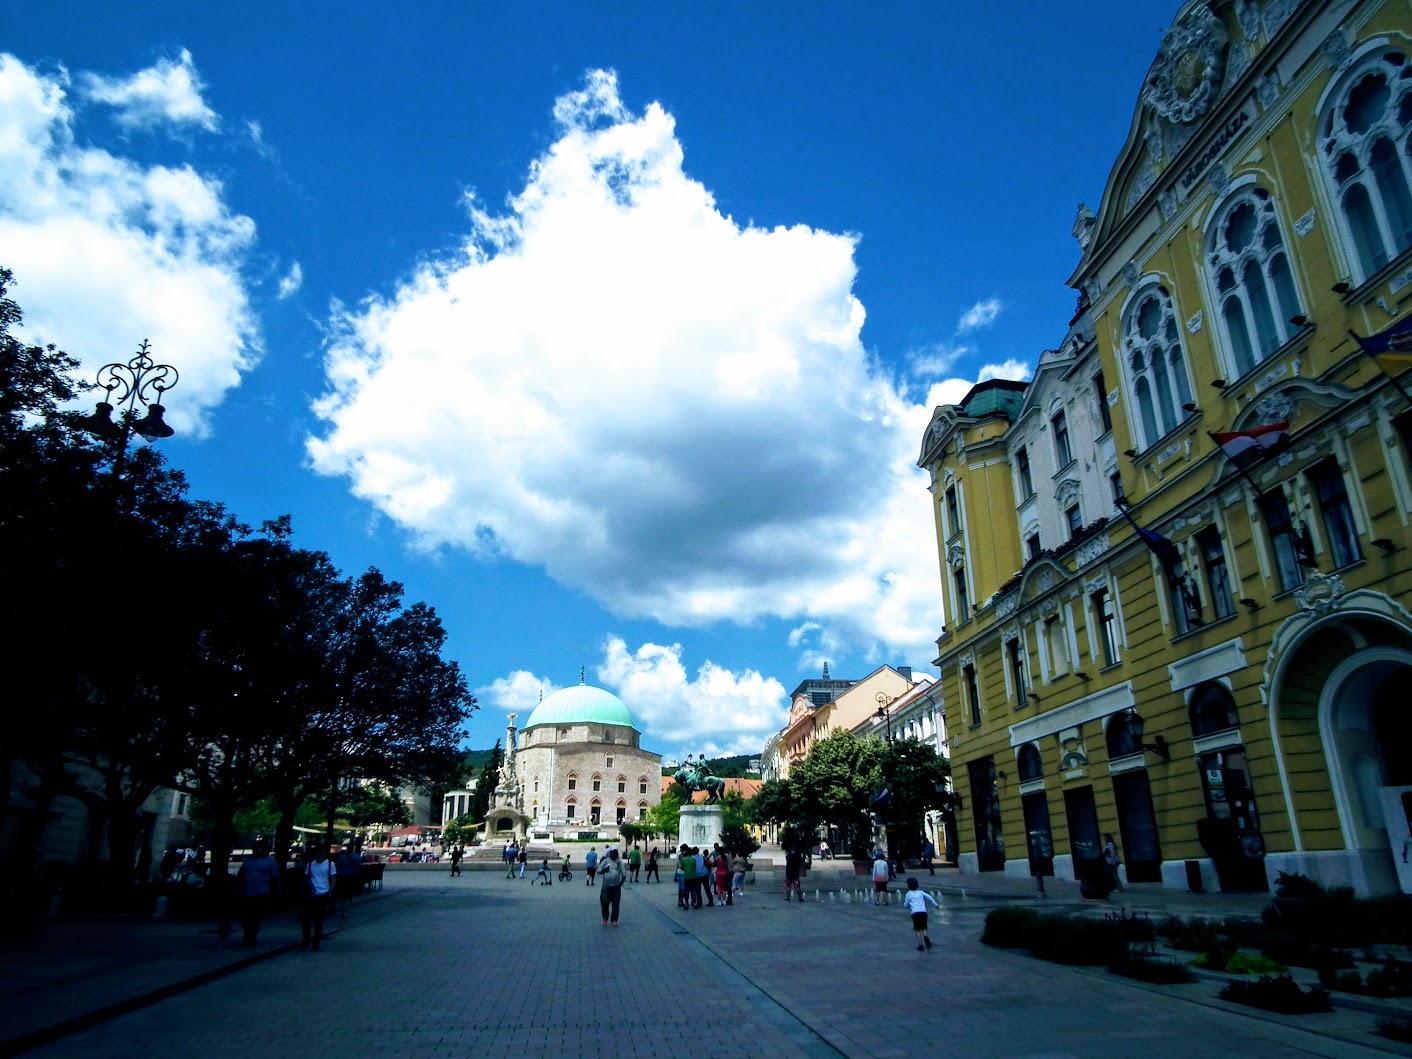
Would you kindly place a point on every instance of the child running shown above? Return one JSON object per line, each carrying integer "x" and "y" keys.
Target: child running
{"x": 916, "y": 900}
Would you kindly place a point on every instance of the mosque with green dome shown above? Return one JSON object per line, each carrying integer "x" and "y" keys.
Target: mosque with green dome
{"x": 580, "y": 766}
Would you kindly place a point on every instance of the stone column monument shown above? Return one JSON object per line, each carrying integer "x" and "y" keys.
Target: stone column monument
{"x": 701, "y": 825}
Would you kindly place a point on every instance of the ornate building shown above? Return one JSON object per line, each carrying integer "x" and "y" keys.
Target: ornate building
{"x": 1219, "y": 693}
{"x": 578, "y": 765}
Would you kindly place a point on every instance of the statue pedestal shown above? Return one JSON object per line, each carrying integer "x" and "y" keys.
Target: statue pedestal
{"x": 701, "y": 825}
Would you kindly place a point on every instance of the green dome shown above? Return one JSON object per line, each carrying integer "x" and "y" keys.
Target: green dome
{"x": 583, "y": 704}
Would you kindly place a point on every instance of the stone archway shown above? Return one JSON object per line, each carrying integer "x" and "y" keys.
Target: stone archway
{"x": 1340, "y": 733}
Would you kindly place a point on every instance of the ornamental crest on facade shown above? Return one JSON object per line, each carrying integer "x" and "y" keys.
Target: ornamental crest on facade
{"x": 1320, "y": 593}
{"x": 1186, "y": 78}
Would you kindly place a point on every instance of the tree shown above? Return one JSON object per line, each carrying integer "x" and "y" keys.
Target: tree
{"x": 735, "y": 838}
{"x": 664, "y": 818}
{"x": 631, "y": 832}
{"x": 371, "y": 804}
{"x": 773, "y": 804}
{"x": 916, "y": 777}
{"x": 485, "y": 786}
{"x": 835, "y": 785}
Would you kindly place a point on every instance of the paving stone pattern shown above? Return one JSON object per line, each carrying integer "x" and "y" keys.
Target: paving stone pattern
{"x": 481, "y": 965}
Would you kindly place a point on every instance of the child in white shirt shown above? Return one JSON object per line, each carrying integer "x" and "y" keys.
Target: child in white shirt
{"x": 916, "y": 901}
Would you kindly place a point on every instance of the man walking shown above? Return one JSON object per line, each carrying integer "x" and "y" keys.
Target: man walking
{"x": 455, "y": 861}
{"x": 590, "y": 865}
{"x": 256, "y": 887}
{"x": 635, "y": 862}
{"x": 610, "y": 895}
{"x": 319, "y": 874}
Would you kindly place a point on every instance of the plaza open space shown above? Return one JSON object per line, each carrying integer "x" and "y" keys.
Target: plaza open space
{"x": 436, "y": 966}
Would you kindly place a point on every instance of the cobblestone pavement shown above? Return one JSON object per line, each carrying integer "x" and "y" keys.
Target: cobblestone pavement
{"x": 482, "y": 965}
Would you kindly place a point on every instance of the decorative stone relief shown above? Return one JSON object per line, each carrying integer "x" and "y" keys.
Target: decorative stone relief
{"x": 1074, "y": 755}
{"x": 955, "y": 555}
{"x": 1084, "y": 223}
{"x": 1067, "y": 492}
{"x": 1274, "y": 407}
{"x": 1044, "y": 582}
{"x": 1178, "y": 136}
{"x": 1271, "y": 377}
{"x": 1187, "y": 74}
{"x": 1167, "y": 203}
{"x": 1130, "y": 274}
{"x": 1219, "y": 178}
{"x": 1237, "y": 62}
{"x": 1267, "y": 90}
{"x": 1007, "y": 605}
{"x": 1146, "y": 177}
{"x": 1276, "y": 14}
{"x": 1320, "y": 593}
{"x": 967, "y": 660}
{"x": 1096, "y": 584}
{"x": 1248, "y": 15}
{"x": 1305, "y": 224}
{"x": 1112, "y": 398}
{"x": 1193, "y": 323}
{"x": 1153, "y": 136}
{"x": 1336, "y": 48}
{"x": 1093, "y": 287}
{"x": 1091, "y": 549}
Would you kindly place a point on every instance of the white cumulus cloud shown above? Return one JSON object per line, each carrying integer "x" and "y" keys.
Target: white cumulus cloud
{"x": 982, "y": 314}
{"x": 1014, "y": 369}
{"x": 663, "y": 408}
{"x": 107, "y": 251}
{"x": 166, "y": 93}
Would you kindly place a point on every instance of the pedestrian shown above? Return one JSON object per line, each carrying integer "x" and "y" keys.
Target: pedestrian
{"x": 348, "y": 868}
{"x": 456, "y": 862}
{"x": 542, "y": 876}
{"x": 723, "y": 877}
{"x": 679, "y": 877}
{"x": 793, "y": 867}
{"x": 319, "y": 875}
{"x": 512, "y": 853}
{"x": 687, "y": 865}
{"x": 916, "y": 899}
{"x": 738, "y": 868}
{"x": 881, "y": 872}
{"x": 653, "y": 871}
{"x": 635, "y": 862}
{"x": 1112, "y": 860}
{"x": 524, "y": 858}
{"x": 703, "y": 878}
{"x": 590, "y": 865}
{"x": 611, "y": 873}
{"x": 257, "y": 886}
{"x": 928, "y": 855}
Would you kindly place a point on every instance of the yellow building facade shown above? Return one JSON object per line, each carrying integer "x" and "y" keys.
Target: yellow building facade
{"x": 1237, "y": 705}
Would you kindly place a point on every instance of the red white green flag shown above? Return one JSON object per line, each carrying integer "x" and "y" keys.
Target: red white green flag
{"x": 1244, "y": 445}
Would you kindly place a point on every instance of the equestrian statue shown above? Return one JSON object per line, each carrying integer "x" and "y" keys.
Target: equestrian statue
{"x": 696, "y": 776}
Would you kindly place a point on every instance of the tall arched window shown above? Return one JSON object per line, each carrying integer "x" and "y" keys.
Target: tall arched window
{"x": 1364, "y": 143}
{"x": 1249, "y": 270}
{"x": 1123, "y": 740}
{"x": 1157, "y": 371}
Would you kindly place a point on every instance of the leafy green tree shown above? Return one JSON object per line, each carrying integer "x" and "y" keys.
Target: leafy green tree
{"x": 773, "y": 804}
{"x": 485, "y": 786}
{"x": 372, "y": 804}
{"x": 835, "y": 785}
{"x": 631, "y": 832}
{"x": 664, "y": 818}
{"x": 736, "y": 838}
{"x": 915, "y": 776}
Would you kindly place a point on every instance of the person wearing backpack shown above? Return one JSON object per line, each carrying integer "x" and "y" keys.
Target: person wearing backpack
{"x": 319, "y": 876}
{"x": 611, "y": 875}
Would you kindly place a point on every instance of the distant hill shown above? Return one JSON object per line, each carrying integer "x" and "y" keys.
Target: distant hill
{"x": 724, "y": 767}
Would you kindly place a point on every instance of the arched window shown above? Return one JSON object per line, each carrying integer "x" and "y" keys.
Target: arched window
{"x": 1029, "y": 763}
{"x": 1122, "y": 740}
{"x": 1213, "y": 709}
{"x": 1157, "y": 371}
{"x": 1364, "y": 143}
{"x": 1250, "y": 275}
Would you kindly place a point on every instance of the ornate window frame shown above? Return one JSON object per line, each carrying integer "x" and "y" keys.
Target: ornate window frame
{"x": 1154, "y": 362}
{"x": 1363, "y": 199}
{"x": 1252, "y": 287}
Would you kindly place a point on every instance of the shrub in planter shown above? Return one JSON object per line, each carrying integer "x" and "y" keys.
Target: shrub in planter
{"x": 1008, "y": 928}
{"x": 1394, "y": 978}
{"x": 1394, "y": 1028}
{"x": 1292, "y": 884}
{"x": 1348, "y": 982}
{"x": 1147, "y": 968}
{"x": 1094, "y": 882}
{"x": 1196, "y": 935}
{"x": 1077, "y": 942}
{"x": 1133, "y": 928}
{"x": 1231, "y": 961}
{"x": 1280, "y": 994}
{"x": 1300, "y": 952}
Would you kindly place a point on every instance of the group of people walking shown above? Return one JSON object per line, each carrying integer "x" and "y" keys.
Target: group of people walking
{"x": 326, "y": 884}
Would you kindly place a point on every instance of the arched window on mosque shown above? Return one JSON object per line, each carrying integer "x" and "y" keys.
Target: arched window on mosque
{"x": 573, "y": 782}
{"x": 622, "y": 784}
{"x": 597, "y": 782}
{"x": 1363, "y": 143}
{"x": 642, "y": 785}
{"x": 1212, "y": 709}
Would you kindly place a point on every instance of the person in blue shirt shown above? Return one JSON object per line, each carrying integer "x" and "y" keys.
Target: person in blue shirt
{"x": 590, "y": 864}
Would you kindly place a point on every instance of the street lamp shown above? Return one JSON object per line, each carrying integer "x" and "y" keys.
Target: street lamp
{"x": 884, "y": 701}
{"x": 141, "y": 381}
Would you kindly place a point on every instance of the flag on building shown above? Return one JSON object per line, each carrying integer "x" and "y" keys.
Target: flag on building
{"x": 1244, "y": 446}
{"x": 1392, "y": 349}
{"x": 1167, "y": 553}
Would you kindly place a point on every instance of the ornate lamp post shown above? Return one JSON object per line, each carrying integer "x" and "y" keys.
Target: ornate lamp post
{"x": 884, "y": 700}
{"x": 139, "y": 382}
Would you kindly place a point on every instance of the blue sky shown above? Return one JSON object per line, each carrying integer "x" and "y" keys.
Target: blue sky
{"x": 609, "y": 330}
